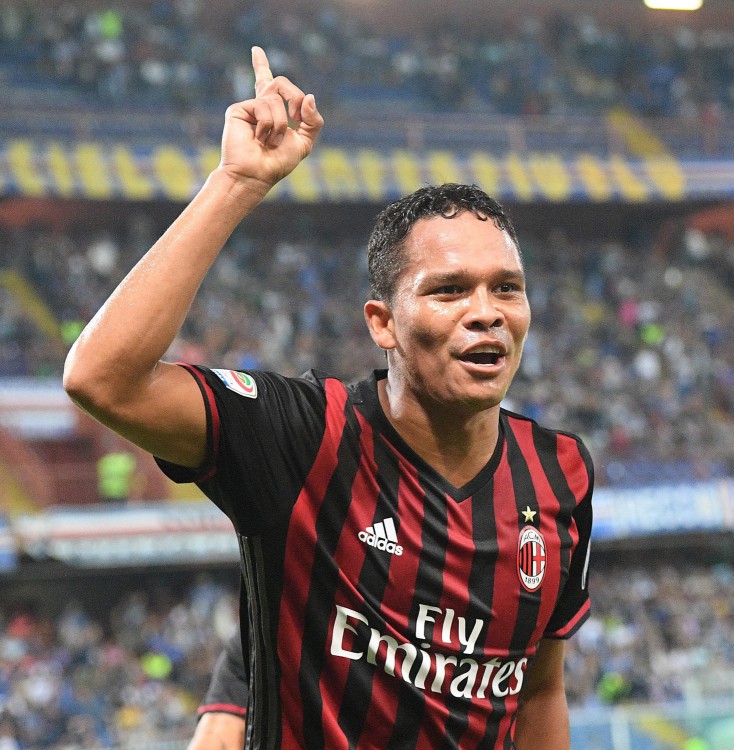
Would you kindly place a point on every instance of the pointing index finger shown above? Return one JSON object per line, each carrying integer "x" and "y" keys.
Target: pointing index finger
{"x": 261, "y": 66}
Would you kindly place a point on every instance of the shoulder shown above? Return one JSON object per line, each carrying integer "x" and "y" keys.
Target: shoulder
{"x": 568, "y": 447}
{"x": 258, "y": 388}
{"x": 269, "y": 397}
{"x": 253, "y": 383}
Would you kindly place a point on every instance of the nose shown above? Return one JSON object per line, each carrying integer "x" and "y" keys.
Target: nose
{"x": 482, "y": 312}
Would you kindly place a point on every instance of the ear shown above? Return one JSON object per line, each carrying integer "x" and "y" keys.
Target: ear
{"x": 379, "y": 319}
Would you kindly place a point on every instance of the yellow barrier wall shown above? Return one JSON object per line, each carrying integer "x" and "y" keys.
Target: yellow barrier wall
{"x": 167, "y": 171}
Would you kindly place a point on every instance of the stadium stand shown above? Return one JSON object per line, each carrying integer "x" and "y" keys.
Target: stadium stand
{"x": 127, "y": 667}
{"x": 161, "y": 54}
{"x": 86, "y": 69}
{"x": 73, "y": 675}
{"x": 608, "y": 134}
{"x": 656, "y": 342}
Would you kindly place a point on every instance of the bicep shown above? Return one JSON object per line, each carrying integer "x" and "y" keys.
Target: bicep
{"x": 165, "y": 416}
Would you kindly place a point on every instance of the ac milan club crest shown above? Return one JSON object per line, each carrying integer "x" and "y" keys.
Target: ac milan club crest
{"x": 531, "y": 558}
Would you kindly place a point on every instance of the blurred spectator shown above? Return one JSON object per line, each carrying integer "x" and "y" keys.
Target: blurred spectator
{"x": 657, "y": 633}
{"x": 83, "y": 682}
{"x": 116, "y": 476}
{"x": 638, "y": 357}
{"x": 172, "y": 54}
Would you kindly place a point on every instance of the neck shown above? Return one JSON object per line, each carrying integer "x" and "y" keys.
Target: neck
{"x": 453, "y": 441}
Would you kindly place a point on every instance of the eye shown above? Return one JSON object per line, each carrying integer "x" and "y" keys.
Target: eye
{"x": 508, "y": 287}
{"x": 448, "y": 290}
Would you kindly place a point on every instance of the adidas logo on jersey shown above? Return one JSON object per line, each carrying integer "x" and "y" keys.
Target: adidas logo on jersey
{"x": 382, "y": 536}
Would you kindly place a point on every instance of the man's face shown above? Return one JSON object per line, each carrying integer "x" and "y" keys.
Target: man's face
{"x": 459, "y": 314}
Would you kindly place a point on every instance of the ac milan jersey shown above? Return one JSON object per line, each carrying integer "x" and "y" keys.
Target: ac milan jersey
{"x": 388, "y": 608}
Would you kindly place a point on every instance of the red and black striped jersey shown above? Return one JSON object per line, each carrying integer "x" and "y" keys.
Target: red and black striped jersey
{"x": 388, "y": 608}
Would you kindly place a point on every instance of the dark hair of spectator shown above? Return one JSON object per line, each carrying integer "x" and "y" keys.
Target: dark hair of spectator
{"x": 385, "y": 255}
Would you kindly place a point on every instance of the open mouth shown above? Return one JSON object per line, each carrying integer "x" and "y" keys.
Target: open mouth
{"x": 482, "y": 358}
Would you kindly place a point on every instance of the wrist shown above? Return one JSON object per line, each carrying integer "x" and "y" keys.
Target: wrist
{"x": 242, "y": 191}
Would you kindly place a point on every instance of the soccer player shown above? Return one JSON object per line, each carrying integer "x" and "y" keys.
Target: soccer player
{"x": 223, "y": 712}
{"x": 413, "y": 554}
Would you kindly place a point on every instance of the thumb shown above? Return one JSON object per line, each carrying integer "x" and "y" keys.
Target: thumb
{"x": 311, "y": 120}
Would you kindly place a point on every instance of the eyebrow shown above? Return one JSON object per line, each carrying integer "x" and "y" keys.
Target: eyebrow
{"x": 446, "y": 277}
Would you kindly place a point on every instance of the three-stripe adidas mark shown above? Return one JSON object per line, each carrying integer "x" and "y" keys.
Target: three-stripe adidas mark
{"x": 382, "y": 536}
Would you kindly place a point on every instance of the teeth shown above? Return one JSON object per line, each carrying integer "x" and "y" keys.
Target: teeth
{"x": 486, "y": 350}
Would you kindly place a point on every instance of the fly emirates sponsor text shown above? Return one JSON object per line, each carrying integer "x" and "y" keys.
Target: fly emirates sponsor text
{"x": 428, "y": 669}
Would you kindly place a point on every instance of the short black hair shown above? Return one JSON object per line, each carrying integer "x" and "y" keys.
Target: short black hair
{"x": 385, "y": 258}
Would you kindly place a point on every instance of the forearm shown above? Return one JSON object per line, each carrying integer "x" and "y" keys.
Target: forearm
{"x": 114, "y": 371}
{"x": 542, "y": 722}
{"x": 131, "y": 332}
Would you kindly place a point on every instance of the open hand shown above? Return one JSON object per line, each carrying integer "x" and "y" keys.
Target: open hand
{"x": 257, "y": 143}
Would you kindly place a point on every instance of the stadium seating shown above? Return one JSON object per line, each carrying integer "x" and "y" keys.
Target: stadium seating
{"x": 654, "y": 341}
{"x": 129, "y": 664}
{"x": 132, "y": 70}
{"x": 606, "y": 136}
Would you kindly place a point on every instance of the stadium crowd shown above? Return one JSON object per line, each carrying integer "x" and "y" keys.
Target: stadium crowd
{"x": 630, "y": 348}
{"x": 182, "y": 53}
{"x": 76, "y": 680}
{"x": 79, "y": 680}
{"x": 657, "y": 634}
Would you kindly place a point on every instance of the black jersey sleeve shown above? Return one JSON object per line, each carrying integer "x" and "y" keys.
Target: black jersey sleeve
{"x": 263, "y": 434}
{"x": 227, "y": 691}
{"x": 574, "y": 604}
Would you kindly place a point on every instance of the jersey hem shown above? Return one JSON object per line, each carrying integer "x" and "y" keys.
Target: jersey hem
{"x": 572, "y": 625}
{"x": 221, "y": 708}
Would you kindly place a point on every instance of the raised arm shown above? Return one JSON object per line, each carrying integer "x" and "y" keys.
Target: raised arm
{"x": 114, "y": 370}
